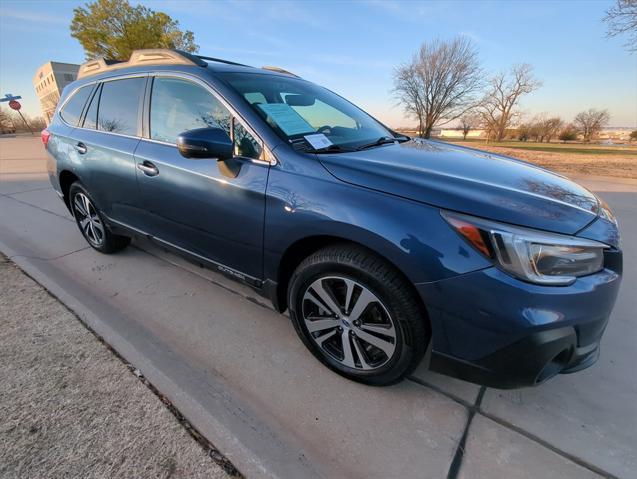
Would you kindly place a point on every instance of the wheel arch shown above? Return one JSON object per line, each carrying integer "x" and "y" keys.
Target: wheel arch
{"x": 66, "y": 179}
{"x": 304, "y": 247}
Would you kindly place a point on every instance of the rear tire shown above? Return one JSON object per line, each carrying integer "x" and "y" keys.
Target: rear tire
{"x": 91, "y": 222}
{"x": 358, "y": 315}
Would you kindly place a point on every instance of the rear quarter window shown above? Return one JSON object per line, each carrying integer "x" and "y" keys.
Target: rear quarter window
{"x": 72, "y": 109}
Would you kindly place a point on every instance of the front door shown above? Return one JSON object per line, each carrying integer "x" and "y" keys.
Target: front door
{"x": 206, "y": 207}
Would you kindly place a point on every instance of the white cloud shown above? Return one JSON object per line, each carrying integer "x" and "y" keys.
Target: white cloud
{"x": 36, "y": 17}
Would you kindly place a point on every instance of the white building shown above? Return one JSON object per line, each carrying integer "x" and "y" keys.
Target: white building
{"x": 455, "y": 133}
{"x": 49, "y": 81}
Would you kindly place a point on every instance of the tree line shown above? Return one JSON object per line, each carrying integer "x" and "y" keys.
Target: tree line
{"x": 10, "y": 122}
{"x": 544, "y": 128}
{"x": 444, "y": 82}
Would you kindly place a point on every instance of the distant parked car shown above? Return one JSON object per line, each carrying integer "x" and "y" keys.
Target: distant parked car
{"x": 379, "y": 245}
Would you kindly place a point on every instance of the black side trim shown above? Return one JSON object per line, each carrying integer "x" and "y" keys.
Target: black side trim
{"x": 119, "y": 227}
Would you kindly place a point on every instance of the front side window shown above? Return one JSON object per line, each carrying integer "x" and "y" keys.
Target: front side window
{"x": 72, "y": 110}
{"x": 119, "y": 106}
{"x": 178, "y": 105}
{"x": 296, "y": 108}
{"x": 245, "y": 144}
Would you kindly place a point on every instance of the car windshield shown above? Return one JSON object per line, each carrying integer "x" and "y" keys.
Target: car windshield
{"x": 308, "y": 116}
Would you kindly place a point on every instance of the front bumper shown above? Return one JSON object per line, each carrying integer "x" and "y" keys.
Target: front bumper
{"x": 496, "y": 330}
{"x": 528, "y": 362}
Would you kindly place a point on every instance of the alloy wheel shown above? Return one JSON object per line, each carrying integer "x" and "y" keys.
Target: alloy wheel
{"x": 88, "y": 220}
{"x": 349, "y": 323}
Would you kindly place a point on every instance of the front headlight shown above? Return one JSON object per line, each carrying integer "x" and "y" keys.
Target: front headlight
{"x": 531, "y": 255}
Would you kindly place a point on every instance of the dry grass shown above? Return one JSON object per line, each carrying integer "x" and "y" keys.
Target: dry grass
{"x": 582, "y": 159}
{"x": 70, "y": 408}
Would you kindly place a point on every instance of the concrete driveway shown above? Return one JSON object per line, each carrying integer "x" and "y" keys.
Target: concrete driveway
{"x": 237, "y": 371}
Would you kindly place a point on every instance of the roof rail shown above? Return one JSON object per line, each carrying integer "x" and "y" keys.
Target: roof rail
{"x": 279, "y": 70}
{"x": 221, "y": 60}
{"x": 154, "y": 56}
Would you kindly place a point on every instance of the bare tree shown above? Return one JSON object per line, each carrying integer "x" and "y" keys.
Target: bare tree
{"x": 524, "y": 131}
{"x": 440, "y": 82}
{"x": 37, "y": 123}
{"x": 535, "y": 129}
{"x": 469, "y": 121}
{"x": 545, "y": 127}
{"x": 552, "y": 127}
{"x": 498, "y": 107}
{"x": 568, "y": 133}
{"x": 12, "y": 121}
{"x": 621, "y": 19}
{"x": 5, "y": 121}
{"x": 591, "y": 121}
{"x": 408, "y": 92}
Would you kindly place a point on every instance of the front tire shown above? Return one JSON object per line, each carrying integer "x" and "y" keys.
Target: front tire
{"x": 91, "y": 222}
{"x": 358, "y": 315}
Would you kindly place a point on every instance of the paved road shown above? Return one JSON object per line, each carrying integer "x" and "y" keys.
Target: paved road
{"x": 236, "y": 369}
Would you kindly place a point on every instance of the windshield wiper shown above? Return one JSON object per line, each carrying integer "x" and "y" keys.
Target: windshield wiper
{"x": 382, "y": 141}
{"x": 328, "y": 149}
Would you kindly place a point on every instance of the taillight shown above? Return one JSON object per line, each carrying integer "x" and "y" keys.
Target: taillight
{"x": 45, "y": 135}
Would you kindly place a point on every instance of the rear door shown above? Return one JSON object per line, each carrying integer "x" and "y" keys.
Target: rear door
{"x": 62, "y": 146}
{"x": 212, "y": 208}
{"x": 105, "y": 143}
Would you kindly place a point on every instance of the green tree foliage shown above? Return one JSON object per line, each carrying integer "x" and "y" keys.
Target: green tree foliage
{"x": 113, "y": 29}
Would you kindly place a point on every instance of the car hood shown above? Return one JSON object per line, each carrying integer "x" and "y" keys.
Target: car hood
{"x": 470, "y": 181}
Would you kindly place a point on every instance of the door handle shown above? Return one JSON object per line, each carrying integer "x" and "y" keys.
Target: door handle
{"x": 148, "y": 168}
{"x": 81, "y": 148}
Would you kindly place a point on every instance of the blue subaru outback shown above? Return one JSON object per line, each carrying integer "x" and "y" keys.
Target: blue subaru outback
{"x": 382, "y": 247}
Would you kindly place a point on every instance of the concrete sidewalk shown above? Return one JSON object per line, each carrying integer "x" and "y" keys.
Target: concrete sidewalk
{"x": 70, "y": 408}
{"x": 238, "y": 372}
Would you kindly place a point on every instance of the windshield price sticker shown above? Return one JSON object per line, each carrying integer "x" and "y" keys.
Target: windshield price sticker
{"x": 286, "y": 118}
{"x": 318, "y": 141}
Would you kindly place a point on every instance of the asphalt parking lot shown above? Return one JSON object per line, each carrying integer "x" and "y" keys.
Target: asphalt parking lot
{"x": 237, "y": 371}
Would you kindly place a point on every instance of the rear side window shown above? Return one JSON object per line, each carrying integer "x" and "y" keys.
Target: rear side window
{"x": 178, "y": 105}
{"x": 72, "y": 110}
{"x": 118, "y": 110}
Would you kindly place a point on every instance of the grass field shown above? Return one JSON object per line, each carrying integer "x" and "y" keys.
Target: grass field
{"x": 579, "y": 158}
{"x": 575, "y": 148}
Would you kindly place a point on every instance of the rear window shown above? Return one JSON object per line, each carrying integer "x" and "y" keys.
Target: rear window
{"x": 72, "y": 110}
{"x": 118, "y": 110}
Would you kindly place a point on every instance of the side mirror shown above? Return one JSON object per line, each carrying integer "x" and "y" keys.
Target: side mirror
{"x": 205, "y": 143}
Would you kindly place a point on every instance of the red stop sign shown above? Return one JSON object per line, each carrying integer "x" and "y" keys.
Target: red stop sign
{"x": 15, "y": 105}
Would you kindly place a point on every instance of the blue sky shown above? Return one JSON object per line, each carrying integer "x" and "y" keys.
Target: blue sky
{"x": 352, "y": 47}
